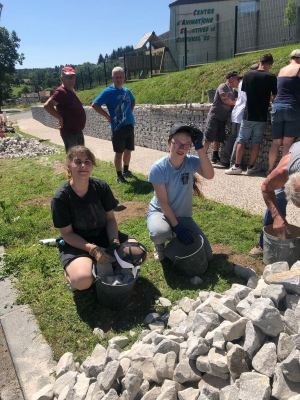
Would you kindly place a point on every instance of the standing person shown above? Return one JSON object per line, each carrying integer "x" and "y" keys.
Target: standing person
{"x": 228, "y": 154}
{"x": 172, "y": 177}
{"x": 285, "y": 114}
{"x": 258, "y": 85}
{"x": 67, "y": 108}
{"x": 120, "y": 103}
{"x": 83, "y": 211}
{"x": 279, "y": 187}
{"x": 219, "y": 112}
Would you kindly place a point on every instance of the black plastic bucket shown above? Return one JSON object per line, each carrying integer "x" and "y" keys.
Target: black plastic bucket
{"x": 276, "y": 249}
{"x": 114, "y": 297}
{"x": 189, "y": 260}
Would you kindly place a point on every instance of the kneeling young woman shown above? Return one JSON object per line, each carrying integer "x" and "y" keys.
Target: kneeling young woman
{"x": 172, "y": 177}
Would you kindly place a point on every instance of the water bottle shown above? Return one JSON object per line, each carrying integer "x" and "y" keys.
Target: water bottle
{"x": 48, "y": 242}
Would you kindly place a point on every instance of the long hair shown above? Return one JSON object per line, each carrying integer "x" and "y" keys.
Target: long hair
{"x": 197, "y": 185}
{"x": 73, "y": 152}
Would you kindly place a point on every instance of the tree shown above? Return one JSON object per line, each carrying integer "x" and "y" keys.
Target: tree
{"x": 9, "y": 43}
{"x": 290, "y": 15}
{"x": 100, "y": 59}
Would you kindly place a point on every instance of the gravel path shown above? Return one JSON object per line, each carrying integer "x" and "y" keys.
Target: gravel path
{"x": 241, "y": 191}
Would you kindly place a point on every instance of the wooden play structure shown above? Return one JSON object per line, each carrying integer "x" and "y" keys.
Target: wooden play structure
{"x": 150, "y": 60}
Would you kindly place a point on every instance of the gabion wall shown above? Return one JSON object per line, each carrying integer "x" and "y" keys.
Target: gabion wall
{"x": 153, "y": 123}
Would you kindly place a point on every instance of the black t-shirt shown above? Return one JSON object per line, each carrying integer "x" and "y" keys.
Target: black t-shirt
{"x": 258, "y": 86}
{"x": 87, "y": 214}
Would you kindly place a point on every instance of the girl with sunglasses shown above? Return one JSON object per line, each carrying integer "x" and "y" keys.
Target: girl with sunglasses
{"x": 174, "y": 181}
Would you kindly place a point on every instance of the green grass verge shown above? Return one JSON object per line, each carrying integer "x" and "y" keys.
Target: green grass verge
{"x": 67, "y": 320}
{"x": 188, "y": 84}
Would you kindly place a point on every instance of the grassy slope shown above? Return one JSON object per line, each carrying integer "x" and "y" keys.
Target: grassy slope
{"x": 188, "y": 84}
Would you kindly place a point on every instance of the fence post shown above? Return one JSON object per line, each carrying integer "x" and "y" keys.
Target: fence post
{"x": 125, "y": 70}
{"x": 82, "y": 80}
{"x": 89, "y": 77}
{"x": 185, "y": 48}
{"x": 150, "y": 60}
{"x": 104, "y": 66}
{"x": 235, "y": 29}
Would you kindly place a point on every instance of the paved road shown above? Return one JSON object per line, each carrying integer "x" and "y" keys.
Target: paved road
{"x": 14, "y": 115}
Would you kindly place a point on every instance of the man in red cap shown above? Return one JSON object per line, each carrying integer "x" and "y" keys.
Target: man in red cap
{"x": 67, "y": 108}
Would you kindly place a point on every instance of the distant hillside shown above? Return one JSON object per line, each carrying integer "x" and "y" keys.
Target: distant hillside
{"x": 188, "y": 84}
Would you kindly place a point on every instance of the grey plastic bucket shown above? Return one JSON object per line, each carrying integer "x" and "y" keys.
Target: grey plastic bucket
{"x": 276, "y": 249}
{"x": 115, "y": 297}
{"x": 190, "y": 260}
{"x": 211, "y": 94}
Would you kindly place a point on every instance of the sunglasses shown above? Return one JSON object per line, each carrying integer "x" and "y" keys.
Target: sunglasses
{"x": 179, "y": 145}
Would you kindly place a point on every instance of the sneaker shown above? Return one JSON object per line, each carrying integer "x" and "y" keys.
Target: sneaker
{"x": 71, "y": 288}
{"x": 215, "y": 159}
{"x": 254, "y": 170}
{"x": 234, "y": 170}
{"x": 159, "y": 252}
{"x": 121, "y": 179}
{"x": 128, "y": 174}
{"x": 256, "y": 251}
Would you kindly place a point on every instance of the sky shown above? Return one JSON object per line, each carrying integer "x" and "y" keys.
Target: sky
{"x": 59, "y": 32}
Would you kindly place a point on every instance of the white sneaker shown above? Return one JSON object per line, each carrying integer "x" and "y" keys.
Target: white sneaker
{"x": 254, "y": 170}
{"x": 234, "y": 170}
{"x": 159, "y": 252}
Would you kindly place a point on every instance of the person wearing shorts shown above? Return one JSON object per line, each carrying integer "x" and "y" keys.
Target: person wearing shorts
{"x": 120, "y": 104}
{"x": 285, "y": 114}
{"x": 219, "y": 112}
{"x": 67, "y": 108}
{"x": 259, "y": 85}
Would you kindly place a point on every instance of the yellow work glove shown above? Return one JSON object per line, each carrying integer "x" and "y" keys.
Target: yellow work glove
{"x": 100, "y": 254}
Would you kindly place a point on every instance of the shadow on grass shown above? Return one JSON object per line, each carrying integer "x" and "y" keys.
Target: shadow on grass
{"x": 139, "y": 186}
{"x": 141, "y": 303}
{"x": 217, "y": 277}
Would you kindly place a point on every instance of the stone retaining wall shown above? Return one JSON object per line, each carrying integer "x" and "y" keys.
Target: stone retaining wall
{"x": 153, "y": 123}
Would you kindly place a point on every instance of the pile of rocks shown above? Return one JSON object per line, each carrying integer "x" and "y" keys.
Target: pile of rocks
{"x": 243, "y": 344}
{"x": 18, "y": 146}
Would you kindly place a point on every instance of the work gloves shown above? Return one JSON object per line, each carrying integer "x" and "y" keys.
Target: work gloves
{"x": 197, "y": 138}
{"x": 184, "y": 235}
{"x": 100, "y": 255}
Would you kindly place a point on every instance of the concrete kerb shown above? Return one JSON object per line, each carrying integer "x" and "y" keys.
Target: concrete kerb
{"x": 31, "y": 355}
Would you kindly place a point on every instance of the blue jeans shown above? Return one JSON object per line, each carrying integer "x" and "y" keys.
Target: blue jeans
{"x": 229, "y": 150}
{"x": 160, "y": 230}
{"x": 285, "y": 120}
{"x": 254, "y": 127}
{"x": 268, "y": 220}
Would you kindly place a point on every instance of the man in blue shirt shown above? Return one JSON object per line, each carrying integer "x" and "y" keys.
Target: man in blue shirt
{"x": 120, "y": 104}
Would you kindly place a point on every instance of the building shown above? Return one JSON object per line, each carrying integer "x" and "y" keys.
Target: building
{"x": 203, "y": 31}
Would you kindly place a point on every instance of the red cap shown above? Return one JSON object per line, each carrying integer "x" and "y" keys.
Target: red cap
{"x": 68, "y": 71}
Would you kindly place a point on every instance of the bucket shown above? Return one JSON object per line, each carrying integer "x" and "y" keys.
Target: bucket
{"x": 190, "y": 260}
{"x": 211, "y": 94}
{"x": 276, "y": 249}
{"x": 114, "y": 297}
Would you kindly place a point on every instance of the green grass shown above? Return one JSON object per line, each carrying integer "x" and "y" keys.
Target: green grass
{"x": 67, "y": 320}
{"x": 188, "y": 84}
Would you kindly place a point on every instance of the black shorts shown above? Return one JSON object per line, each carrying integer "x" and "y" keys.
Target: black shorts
{"x": 215, "y": 130}
{"x": 123, "y": 138}
{"x": 68, "y": 253}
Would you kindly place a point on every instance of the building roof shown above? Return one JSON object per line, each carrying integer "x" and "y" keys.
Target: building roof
{"x": 183, "y": 2}
{"x": 151, "y": 38}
